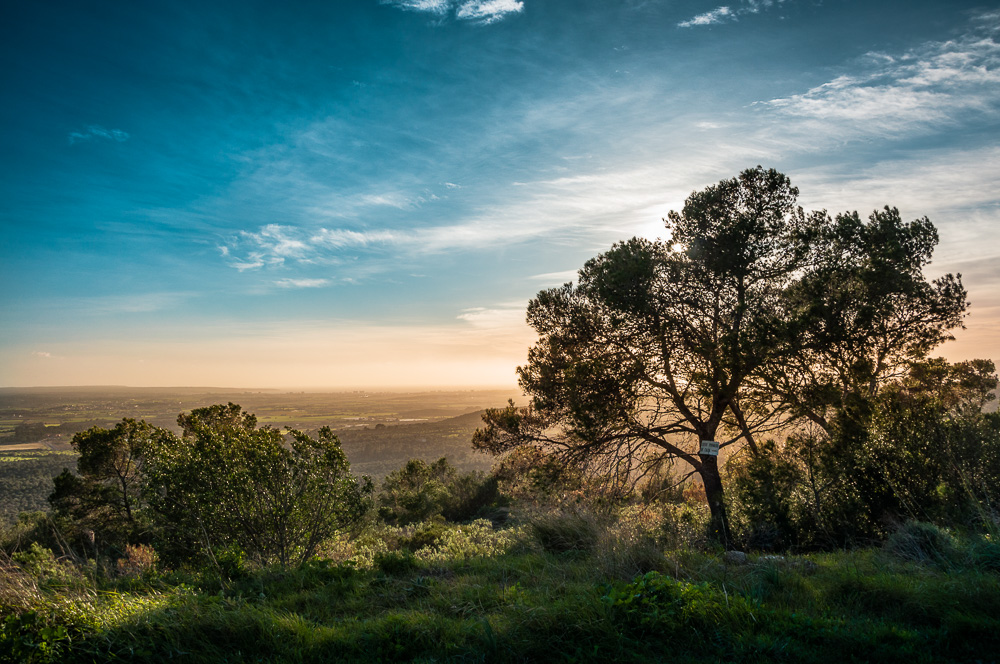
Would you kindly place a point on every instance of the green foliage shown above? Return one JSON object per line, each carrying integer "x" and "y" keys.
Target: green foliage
{"x": 416, "y": 492}
{"x": 105, "y": 501}
{"x": 48, "y": 571}
{"x": 478, "y": 539}
{"x": 426, "y": 534}
{"x": 864, "y": 313}
{"x": 396, "y": 562}
{"x": 420, "y": 491}
{"x": 527, "y": 474}
{"x": 658, "y": 604}
{"x": 926, "y": 452}
{"x": 30, "y": 638}
{"x": 230, "y": 484}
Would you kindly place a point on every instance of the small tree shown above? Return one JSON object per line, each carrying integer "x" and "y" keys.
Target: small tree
{"x": 107, "y": 496}
{"x": 228, "y": 483}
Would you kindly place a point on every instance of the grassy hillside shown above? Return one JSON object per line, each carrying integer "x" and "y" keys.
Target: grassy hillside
{"x": 479, "y": 594}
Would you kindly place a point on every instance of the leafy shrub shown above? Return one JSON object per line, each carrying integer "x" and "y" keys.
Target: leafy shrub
{"x": 985, "y": 554}
{"x": 419, "y": 491}
{"x": 921, "y": 450}
{"x": 527, "y": 474}
{"x": 228, "y": 483}
{"x": 657, "y": 604}
{"x": 684, "y": 525}
{"x": 425, "y": 535}
{"x": 30, "y": 638}
{"x": 50, "y": 572}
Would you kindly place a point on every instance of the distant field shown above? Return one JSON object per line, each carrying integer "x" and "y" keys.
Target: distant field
{"x": 13, "y": 447}
{"x": 379, "y": 431}
{"x": 64, "y": 409}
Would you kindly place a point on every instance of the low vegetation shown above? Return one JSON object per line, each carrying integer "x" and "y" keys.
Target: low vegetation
{"x": 605, "y": 588}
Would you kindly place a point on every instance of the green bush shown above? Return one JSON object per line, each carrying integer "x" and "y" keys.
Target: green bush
{"x": 919, "y": 456}
{"x": 230, "y": 484}
{"x": 419, "y": 491}
{"x": 31, "y": 638}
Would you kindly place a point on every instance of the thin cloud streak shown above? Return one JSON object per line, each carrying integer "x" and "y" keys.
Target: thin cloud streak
{"x": 555, "y": 277}
{"x": 97, "y": 132}
{"x": 725, "y": 14}
{"x": 302, "y": 283}
{"x": 481, "y": 12}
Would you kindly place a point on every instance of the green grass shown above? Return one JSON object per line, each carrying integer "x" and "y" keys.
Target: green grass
{"x": 516, "y": 604}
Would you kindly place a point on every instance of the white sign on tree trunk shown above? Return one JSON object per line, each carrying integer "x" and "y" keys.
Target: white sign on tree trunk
{"x": 709, "y": 447}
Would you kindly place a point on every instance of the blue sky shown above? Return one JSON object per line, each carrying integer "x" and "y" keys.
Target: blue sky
{"x": 367, "y": 192}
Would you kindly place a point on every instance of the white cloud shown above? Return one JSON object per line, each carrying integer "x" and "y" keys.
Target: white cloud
{"x": 508, "y": 315}
{"x": 932, "y": 85}
{"x": 340, "y": 238}
{"x": 45, "y": 355}
{"x": 302, "y": 283}
{"x": 432, "y": 6}
{"x": 488, "y": 11}
{"x": 96, "y": 131}
{"x": 278, "y": 241}
{"x": 555, "y": 277}
{"x": 717, "y": 15}
{"x": 482, "y": 12}
{"x": 725, "y": 13}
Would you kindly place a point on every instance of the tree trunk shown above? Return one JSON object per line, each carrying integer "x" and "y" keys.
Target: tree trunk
{"x": 719, "y": 525}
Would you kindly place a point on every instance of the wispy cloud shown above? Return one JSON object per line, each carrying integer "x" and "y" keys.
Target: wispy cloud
{"x": 555, "y": 277}
{"x": 93, "y": 132}
{"x": 725, "y": 13}
{"x": 717, "y": 15}
{"x": 488, "y": 11}
{"x": 340, "y": 238}
{"x": 271, "y": 245}
{"x": 931, "y": 85}
{"x": 45, "y": 355}
{"x": 587, "y": 212}
{"x": 482, "y": 12}
{"x": 502, "y": 316}
{"x": 432, "y": 6}
{"x": 302, "y": 283}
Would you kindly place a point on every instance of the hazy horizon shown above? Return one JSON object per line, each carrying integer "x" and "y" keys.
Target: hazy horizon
{"x": 290, "y": 389}
{"x": 332, "y": 196}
